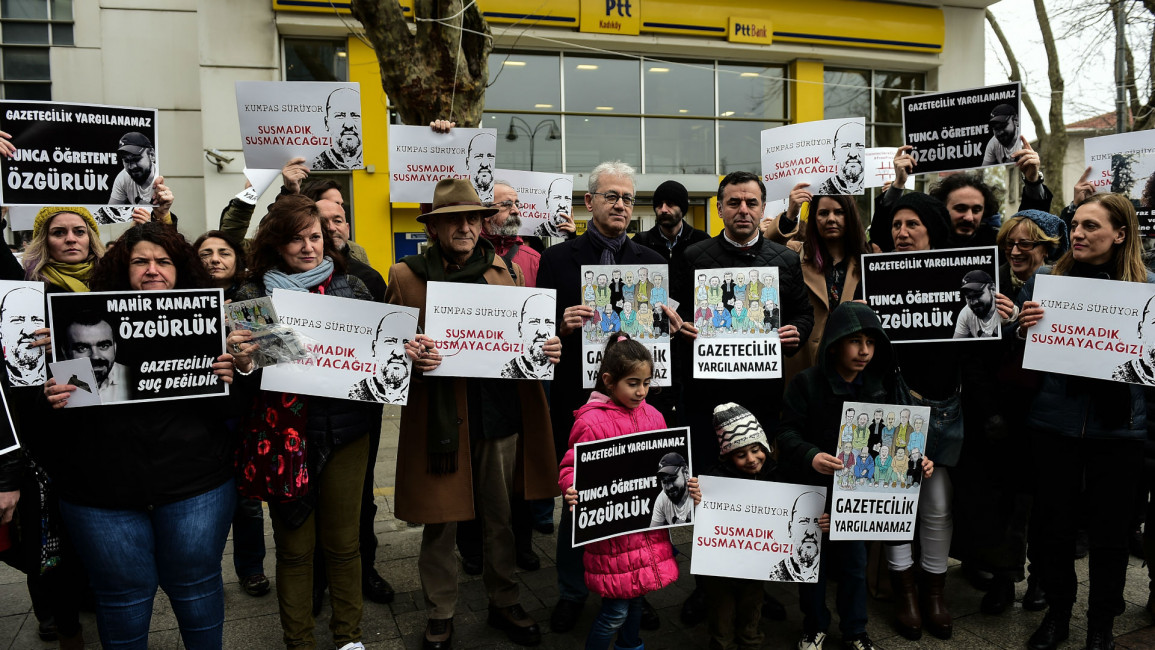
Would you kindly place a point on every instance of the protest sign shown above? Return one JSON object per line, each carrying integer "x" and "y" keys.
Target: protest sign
{"x": 21, "y": 314}
{"x": 8, "y": 440}
{"x": 757, "y": 530}
{"x": 275, "y": 343}
{"x": 419, "y": 157}
{"x": 938, "y": 295}
{"x": 625, "y": 298}
{"x": 23, "y": 217}
{"x": 356, "y": 348}
{"x": 828, "y": 154}
{"x": 737, "y": 313}
{"x": 78, "y": 154}
{"x": 1124, "y": 163}
{"x": 259, "y": 181}
{"x": 1094, "y": 328}
{"x": 880, "y": 166}
{"x": 144, "y": 346}
{"x": 319, "y": 121}
{"x": 77, "y": 372}
{"x": 632, "y": 483}
{"x": 962, "y": 129}
{"x": 491, "y": 331}
{"x": 881, "y": 447}
{"x": 545, "y": 200}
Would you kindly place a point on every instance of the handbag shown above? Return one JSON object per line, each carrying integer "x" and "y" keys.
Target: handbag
{"x": 944, "y": 434}
{"x": 271, "y": 462}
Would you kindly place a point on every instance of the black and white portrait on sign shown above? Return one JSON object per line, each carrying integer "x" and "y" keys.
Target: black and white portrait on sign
{"x": 134, "y": 183}
{"x": 558, "y": 203}
{"x": 674, "y": 504}
{"x": 979, "y": 317}
{"x": 806, "y": 536}
{"x": 535, "y": 328}
{"x": 343, "y": 122}
{"x": 21, "y": 315}
{"x": 390, "y": 383}
{"x": 1004, "y": 125}
{"x": 480, "y": 160}
{"x": 848, "y": 154}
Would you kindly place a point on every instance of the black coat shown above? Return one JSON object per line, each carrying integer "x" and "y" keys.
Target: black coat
{"x": 561, "y": 270}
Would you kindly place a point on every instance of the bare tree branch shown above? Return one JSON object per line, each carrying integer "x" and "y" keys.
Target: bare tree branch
{"x": 1017, "y": 75}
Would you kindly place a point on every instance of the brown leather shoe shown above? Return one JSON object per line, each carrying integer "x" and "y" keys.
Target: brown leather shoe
{"x": 907, "y": 618}
{"x": 438, "y": 634}
{"x": 938, "y": 620}
{"x": 517, "y": 625}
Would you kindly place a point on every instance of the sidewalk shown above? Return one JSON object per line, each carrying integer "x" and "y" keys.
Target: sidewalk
{"x": 253, "y": 624}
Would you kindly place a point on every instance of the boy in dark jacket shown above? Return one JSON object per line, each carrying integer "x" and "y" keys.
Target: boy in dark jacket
{"x": 855, "y": 364}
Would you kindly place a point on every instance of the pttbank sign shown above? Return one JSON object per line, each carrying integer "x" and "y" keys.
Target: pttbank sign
{"x": 749, "y": 30}
{"x": 611, "y": 17}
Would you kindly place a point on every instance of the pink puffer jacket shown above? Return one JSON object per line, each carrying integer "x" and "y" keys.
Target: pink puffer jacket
{"x": 631, "y": 565}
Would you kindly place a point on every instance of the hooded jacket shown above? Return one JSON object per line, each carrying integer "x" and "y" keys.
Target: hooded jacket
{"x": 630, "y": 565}
{"x": 812, "y": 406}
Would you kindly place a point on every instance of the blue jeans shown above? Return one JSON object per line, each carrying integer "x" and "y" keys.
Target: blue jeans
{"x": 248, "y": 538}
{"x": 848, "y": 561}
{"x": 621, "y": 617}
{"x": 178, "y": 546}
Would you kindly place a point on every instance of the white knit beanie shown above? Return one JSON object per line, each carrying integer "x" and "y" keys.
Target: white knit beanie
{"x": 736, "y": 428}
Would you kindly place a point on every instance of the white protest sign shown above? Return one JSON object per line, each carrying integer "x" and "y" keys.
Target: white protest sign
{"x": 21, "y": 314}
{"x": 419, "y": 157}
{"x": 880, "y": 166}
{"x": 827, "y": 154}
{"x": 881, "y": 447}
{"x": 357, "y": 349}
{"x": 490, "y": 331}
{"x": 545, "y": 200}
{"x": 626, "y": 298}
{"x": 1125, "y": 163}
{"x": 317, "y": 120}
{"x": 757, "y": 530}
{"x": 737, "y": 312}
{"x": 1103, "y": 329}
{"x": 259, "y": 181}
{"x": 79, "y": 373}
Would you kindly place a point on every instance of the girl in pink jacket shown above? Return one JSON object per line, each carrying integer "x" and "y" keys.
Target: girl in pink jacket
{"x": 620, "y": 569}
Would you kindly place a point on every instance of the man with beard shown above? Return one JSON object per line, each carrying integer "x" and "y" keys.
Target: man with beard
{"x": 21, "y": 314}
{"x": 391, "y": 383}
{"x": 337, "y": 229}
{"x": 343, "y": 121}
{"x": 848, "y": 151}
{"x": 535, "y": 328}
{"x": 479, "y": 162}
{"x": 674, "y": 504}
{"x": 978, "y": 318}
{"x": 90, "y": 336}
{"x": 805, "y": 533}
{"x": 557, "y": 204}
{"x": 1142, "y": 369}
{"x": 501, "y": 228}
{"x": 134, "y": 183}
{"x": 1004, "y": 124}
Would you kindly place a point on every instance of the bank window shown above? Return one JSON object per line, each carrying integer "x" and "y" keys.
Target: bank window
{"x": 873, "y": 94}
{"x": 27, "y": 29}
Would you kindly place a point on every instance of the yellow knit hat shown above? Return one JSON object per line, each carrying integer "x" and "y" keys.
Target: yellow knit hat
{"x": 45, "y": 214}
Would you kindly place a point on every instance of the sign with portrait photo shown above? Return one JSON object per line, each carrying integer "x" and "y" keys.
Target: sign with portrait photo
{"x": 758, "y": 530}
{"x": 827, "y": 154}
{"x": 21, "y": 315}
{"x": 1102, "y": 329}
{"x": 935, "y": 295}
{"x": 545, "y": 200}
{"x": 490, "y": 331}
{"x": 78, "y": 154}
{"x": 963, "y": 129}
{"x": 420, "y": 157}
{"x": 626, "y": 298}
{"x": 881, "y": 447}
{"x": 1124, "y": 163}
{"x": 737, "y": 313}
{"x": 356, "y": 348}
{"x": 317, "y": 120}
{"x": 632, "y": 483}
{"x": 144, "y": 346}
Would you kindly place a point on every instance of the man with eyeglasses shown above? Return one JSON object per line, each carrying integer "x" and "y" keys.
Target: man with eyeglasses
{"x": 610, "y": 200}
{"x": 501, "y": 231}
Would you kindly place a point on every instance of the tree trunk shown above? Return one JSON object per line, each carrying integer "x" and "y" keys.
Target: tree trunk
{"x": 437, "y": 71}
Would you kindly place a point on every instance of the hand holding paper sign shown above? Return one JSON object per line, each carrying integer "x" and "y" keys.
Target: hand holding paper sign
{"x": 789, "y": 336}
{"x": 1027, "y": 160}
{"x": 695, "y": 490}
{"x": 573, "y": 318}
{"x": 294, "y": 173}
{"x": 1032, "y": 313}
{"x": 798, "y": 195}
{"x": 162, "y": 198}
{"x": 6, "y": 147}
{"x": 1083, "y": 188}
{"x": 423, "y": 351}
{"x": 904, "y": 164}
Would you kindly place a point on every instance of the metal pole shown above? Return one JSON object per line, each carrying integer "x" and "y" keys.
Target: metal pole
{"x": 1120, "y": 67}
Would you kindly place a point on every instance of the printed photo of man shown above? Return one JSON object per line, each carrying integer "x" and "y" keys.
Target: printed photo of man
{"x": 674, "y": 504}
{"x": 134, "y": 183}
{"x": 1141, "y": 370}
{"x": 848, "y": 153}
{"x": 91, "y": 336}
{"x": 1004, "y": 124}
{"x": 21, "y": 314}
{"x": 390, "y": 385}
{"x": 343, "y": 122}
{"x": 480, "y": 159}
{"x": 805, "y": 534}
{"x": 979, "y": 318}
{"x": 557, "y": 205}
{"x": 535, "y": 328}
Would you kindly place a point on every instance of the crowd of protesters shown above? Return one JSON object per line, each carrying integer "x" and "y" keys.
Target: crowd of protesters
{"x": 110, "y": 508}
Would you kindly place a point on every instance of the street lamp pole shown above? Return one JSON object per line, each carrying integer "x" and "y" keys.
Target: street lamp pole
{"x": 512, "y": 134}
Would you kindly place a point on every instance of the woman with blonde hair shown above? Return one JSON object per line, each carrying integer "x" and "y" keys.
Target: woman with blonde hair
{"x": 64, "y": 249}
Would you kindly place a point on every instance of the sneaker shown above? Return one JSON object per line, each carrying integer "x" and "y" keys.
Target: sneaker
{"x": 356, "y": 645}
{"x": 861, "y": 643}
{"x": 812, "y": 641}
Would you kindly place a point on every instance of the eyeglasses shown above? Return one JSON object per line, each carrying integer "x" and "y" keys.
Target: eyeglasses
{"x": 505, "y": 205}
{"x": 613, "y": 197}
{"x": 1023, "y": 244}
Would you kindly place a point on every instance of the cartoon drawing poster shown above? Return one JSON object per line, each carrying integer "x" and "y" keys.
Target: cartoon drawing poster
{"x": 737, "y": 312}
{"x": 626, "y": 298}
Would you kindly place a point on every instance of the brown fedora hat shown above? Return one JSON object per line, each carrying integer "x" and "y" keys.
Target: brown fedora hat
{"x": 456, "y": 195}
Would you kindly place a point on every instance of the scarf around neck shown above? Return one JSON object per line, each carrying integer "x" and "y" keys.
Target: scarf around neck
{"x": 608, "y": 246}
{"x": 73, "y": 277}
{"x": 304, "y": 281}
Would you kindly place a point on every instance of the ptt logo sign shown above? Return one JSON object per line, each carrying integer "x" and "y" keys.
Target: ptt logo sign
{"x": 611, "y": 16}
{"x": 749, "y": 30}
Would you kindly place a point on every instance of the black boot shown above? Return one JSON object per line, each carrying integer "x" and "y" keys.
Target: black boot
{"x": 694, "y": 609}
{"x": 1100, "y": 638}
{"x": 999, "y": 597}
{"x": 1035, "y": 600}
{"x": 1054, "y": 629}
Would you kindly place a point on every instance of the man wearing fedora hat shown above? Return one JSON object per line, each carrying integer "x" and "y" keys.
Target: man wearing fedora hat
{"x": 467, "y": 443}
